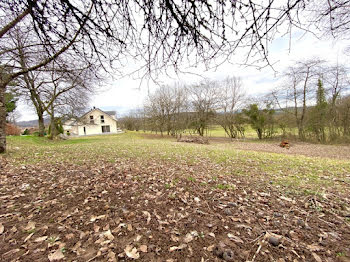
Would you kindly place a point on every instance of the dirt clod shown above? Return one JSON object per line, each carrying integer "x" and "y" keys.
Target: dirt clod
{"x": 228, "y": 255}
{"x": 218, "y": 251}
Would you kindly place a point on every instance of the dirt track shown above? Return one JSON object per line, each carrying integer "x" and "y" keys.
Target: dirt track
{"x": 297, "y": 148}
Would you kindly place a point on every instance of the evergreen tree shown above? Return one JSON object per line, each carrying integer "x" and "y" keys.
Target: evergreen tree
{"x": 10, "y": 102}
{"x": 319, "y": 113}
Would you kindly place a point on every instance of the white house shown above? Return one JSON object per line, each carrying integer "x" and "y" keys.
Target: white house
{"x": 94, "y": 122}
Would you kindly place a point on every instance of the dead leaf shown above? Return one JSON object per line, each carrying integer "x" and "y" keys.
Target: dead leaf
{"x": 2, "y": 228}
{"x": 137, "y": 238}
{"x": 40, "y": 239}
{"x": 211, "y": 234}
{"x": 57, "y": 255}
{"x": 28, "y": 237}
{"x": 314, "y": 247}
{"x": 94, "y": 218}
{"x": 174, "y": 238}
{"x": 211, "y": 248}
{"x": 111, "y": 256}
{"x": 316, "y": 257}
{"x": 69, "y": 236}
{"x": 188, "y": 238}
{"x": 286, "y": 198}
{"x": 30, "y": 226}
{"x": 131, "y": 252}
{"x": 143, "y": 248}
{"x": 148, "y": 215}
{"x": 182, "y": 246}
{"x": 108, "y": 235}
{"x": 96, "y": 228}
{"x": 129, "y": 227}
{"x": 235, "y": 238}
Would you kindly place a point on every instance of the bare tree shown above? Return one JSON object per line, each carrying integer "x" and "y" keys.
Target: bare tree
{"x": 204, "y": 100}
{"x": 297, "y": 92}
{"x": 54, "y": 86}
{"x": 344, "y": 115}
{"x": 133, "y": 120}
{"x": 230, "y": 101}
{"x": 336, "y": 81}
{"x": 165, "y": 107}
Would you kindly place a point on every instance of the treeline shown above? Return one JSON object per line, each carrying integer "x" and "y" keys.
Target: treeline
{"x": 315, "y": 99}
{"x": 312, "y": 105}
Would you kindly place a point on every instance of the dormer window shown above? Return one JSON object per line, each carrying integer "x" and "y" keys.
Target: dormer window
{"x": 102, "y": 119}
{"x": 91, "y": 119}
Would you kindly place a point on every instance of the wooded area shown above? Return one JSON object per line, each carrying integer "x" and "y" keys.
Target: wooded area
{"x": 314, "y": 99}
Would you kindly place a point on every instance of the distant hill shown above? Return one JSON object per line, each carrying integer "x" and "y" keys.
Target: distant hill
{"x": 31, "y": 123}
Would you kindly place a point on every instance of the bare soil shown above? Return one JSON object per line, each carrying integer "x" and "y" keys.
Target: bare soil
{"x": 151, "y": 211}
{"x": 272, "y": 146}
{"x": 296, "y": 148}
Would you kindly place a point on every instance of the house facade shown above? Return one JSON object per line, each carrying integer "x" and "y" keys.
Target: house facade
{"x": 94, "y": 122}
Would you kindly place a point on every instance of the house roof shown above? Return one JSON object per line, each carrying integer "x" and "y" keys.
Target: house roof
{"x": 110, "y": 113}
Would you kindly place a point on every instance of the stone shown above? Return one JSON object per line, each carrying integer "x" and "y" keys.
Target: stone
{"x": 232, "y": 204}
{"x": 274, "y": 241}
{"x": 228, "y": 211}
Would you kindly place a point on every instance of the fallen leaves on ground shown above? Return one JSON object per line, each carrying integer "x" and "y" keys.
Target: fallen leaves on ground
{"x": 158, "y": 210}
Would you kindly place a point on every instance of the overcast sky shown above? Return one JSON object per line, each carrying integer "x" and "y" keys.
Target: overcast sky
{"x": 127, "y": 94}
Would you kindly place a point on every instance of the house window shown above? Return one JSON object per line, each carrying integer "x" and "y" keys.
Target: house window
{"x": 106, "y": 129}
{"x": 102, "y": 119}
{"x": 91, "y": 119}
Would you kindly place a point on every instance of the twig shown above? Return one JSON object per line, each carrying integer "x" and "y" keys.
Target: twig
{"x": 257, "y": 238}
{"x": 71, "y": 228}
{"x": 329, "y": 223}
{"x": 256, "y": 253}
{"x": 92, "y": 258}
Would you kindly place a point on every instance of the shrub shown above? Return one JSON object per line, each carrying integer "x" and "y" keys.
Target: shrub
{"x": 12, "y": 130}
{"x": 25, "y": 132}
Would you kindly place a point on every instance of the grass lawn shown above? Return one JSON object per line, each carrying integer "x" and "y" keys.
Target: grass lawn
{"x": 292, "y": 171}
{"x": 127, "y": 196}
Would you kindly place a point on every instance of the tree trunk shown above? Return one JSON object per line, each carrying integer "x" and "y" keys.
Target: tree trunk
{"x": 53, "y": 129}
{"x": 41, "y": 124}
{"x": 2, "y": 119}
{"x": 259, "y": 131}
{"x": 301, "y": 133}
{"x": 201, "y": 131}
